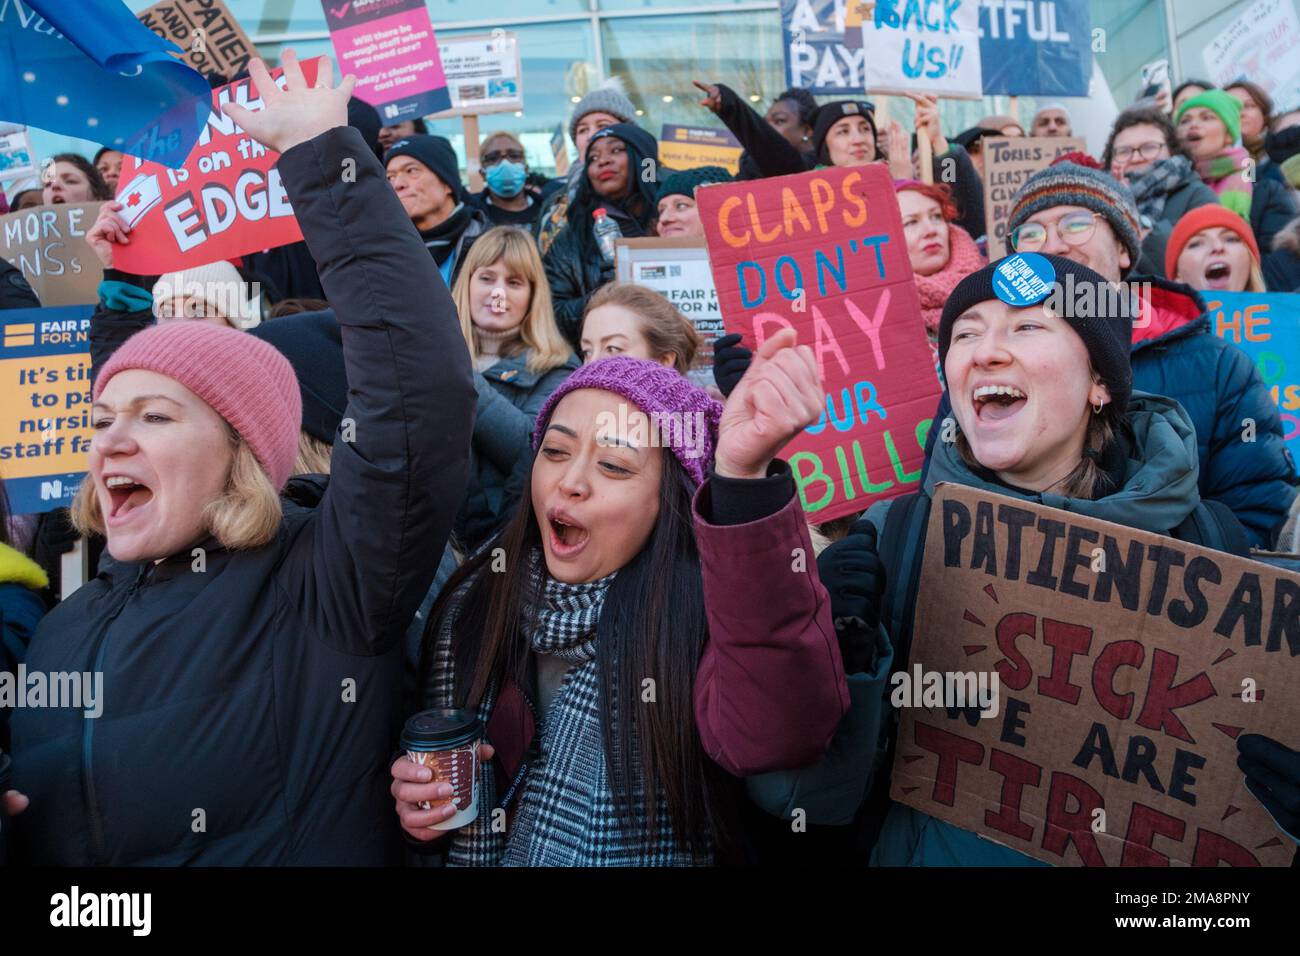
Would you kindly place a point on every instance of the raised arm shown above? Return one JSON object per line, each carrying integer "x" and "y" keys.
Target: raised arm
{"x": 400, "y": 462}
{"x": 770, "y": 689}
{"x": 771, "y": 152}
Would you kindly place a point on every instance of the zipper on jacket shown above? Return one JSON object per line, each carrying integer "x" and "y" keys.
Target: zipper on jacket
{"x": 98, "y": 850}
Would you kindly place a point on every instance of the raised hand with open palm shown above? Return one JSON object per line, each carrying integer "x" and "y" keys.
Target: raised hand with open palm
{"x": 298, "y": 112}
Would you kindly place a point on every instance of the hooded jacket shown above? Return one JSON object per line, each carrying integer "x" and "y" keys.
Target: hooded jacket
{"x": 251, "y": 701}
{"x": 574, "y": 266}
{"x": 1158, "y": 493}
{"x": 1176, "y": 353}
{"x": 1281, "y": 267}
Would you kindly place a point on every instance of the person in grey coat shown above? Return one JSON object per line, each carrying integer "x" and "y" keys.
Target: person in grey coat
{"x": 519, "y": 357}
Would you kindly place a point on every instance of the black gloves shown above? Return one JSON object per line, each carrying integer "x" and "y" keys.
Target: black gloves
{"x": 1273, "y": 777}
{"x": 730, "y": 361}
{"x": 854, "y": 575}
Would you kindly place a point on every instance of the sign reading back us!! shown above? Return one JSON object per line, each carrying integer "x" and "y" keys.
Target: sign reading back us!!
{"x": 823, "y": 253}
{"x": 1127, "y": 665}
{"x": 225, "y": 201}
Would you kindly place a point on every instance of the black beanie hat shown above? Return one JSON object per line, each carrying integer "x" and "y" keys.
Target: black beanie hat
{"x": 1100, "y": 312}
{"x": 364, "y": 118}
{"x": 830, "y": 114}
{"x": 314, "y": 347}
{"x": 684, "y": 182}
{"x": 434, "y": 152}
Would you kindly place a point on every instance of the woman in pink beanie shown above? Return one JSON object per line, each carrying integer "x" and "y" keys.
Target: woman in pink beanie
{"x": 248, "y": 629}
{"x": 655, "y": 516}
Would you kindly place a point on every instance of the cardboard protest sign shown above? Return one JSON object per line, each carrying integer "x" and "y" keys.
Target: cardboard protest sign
{"x": 917, "y": 47}
{"x": 1007, "y": 164}
{"x": 823, "y": 252}
{"x": 207, "y": 32}
{"x": 1036, "y": 48}
{"x": 1260, "y": 45}
{"x": 390, "y": 47}
{"x": 225, "y": 201}
{"x": 48, "y": 245}
{"x": 679, "y": 270}
{"x": 689, "y": 147}
{"x": 44, "y": 405}
{"x": 1267, "y": 328}
{"x": 1127, "y": 665}
{"x": 483, "y": 74}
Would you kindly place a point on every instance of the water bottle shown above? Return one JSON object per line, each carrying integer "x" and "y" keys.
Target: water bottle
{"x": 607, "y": 233}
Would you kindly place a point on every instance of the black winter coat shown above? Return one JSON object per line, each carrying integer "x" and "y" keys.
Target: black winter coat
{"x": 250, "y": 709}
{"x": 573, "y": 277}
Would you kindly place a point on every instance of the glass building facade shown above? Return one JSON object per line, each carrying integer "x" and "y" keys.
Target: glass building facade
{"x": 657, "y": 47}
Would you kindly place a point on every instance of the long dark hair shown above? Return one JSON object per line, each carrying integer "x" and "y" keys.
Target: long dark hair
{"x": 640, "y": 192}
{"x": 652, "y": 626}
{"x": 99, "y": 189}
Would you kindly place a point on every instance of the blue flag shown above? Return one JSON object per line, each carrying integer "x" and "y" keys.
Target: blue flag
{"x": 90, "y": 69}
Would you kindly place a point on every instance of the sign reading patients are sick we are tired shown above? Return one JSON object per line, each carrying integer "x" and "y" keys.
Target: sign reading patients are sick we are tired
{"x": 823, "y": 253}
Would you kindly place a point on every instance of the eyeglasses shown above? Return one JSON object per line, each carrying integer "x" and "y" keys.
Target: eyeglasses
{"x": 1146, "y": 151}
{"x": 500, "y": 155}
{"x": 1074, "y": 228}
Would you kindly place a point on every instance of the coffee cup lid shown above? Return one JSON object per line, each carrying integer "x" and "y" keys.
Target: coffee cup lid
{"x": 440, "y": 729}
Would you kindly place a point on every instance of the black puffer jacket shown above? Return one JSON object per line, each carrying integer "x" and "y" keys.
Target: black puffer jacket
{"x": 574, "y": 275}
{"x": 250, "y": 708}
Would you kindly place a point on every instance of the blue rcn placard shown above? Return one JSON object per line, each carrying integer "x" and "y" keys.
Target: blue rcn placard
{"x": 89, "y": 68}
{"x": 44, "y": 405}
{"x": 1036, "y": 47}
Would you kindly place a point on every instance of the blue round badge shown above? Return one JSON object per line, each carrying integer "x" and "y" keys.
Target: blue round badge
{"x": 1024, "y": 278}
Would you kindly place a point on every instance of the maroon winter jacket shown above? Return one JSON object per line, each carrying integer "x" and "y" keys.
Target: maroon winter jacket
{"x": 771, "y": 689}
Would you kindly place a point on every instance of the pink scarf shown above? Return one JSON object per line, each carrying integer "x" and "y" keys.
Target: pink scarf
{"x": 964, "y": 257}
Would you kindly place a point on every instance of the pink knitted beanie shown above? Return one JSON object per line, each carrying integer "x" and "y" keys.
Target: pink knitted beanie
{"x": 245, "y": 380}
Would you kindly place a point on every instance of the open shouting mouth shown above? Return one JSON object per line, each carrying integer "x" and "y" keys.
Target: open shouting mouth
{"x": 127, "y": 496}
{"x": 568, "y": 536}
{"x": 1218, "y": 274}
{"x": 997, "y": 403}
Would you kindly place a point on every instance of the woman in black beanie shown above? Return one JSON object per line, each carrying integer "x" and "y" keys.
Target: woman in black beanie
{"x": 622, "y": 174}
{"x": 1034, "y": 351}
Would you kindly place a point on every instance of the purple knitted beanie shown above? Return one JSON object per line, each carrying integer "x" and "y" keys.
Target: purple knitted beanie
{"x": 683, "y": 416}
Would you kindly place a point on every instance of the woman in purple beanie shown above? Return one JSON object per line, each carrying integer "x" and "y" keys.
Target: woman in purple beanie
{"x": 609, "y": 636}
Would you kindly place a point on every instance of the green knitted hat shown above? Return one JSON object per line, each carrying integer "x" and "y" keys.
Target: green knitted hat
{"x": 684, "y": 182}
{"x": 1224, "y": 105}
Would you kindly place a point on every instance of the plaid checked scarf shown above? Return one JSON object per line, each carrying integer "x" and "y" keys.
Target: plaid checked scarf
{"x": 1151, "y": 186}
{"x": 566, "y": 814}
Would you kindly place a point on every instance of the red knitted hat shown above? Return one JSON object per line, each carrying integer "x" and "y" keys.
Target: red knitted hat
{"x": 1206, "y": 217}
{"x": 245, "y": 380}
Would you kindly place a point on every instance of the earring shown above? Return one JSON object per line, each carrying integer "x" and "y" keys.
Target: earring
{"x": 1096, "y": 409}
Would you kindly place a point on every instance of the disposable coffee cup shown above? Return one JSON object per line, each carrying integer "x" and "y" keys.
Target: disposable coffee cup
{"x": 447, "y": 741}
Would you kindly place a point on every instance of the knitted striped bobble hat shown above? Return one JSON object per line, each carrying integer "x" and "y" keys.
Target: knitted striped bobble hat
{"x": 1069, "y": 184}
{"x": 687, "y": 416}
{"x": 245, "y": 380}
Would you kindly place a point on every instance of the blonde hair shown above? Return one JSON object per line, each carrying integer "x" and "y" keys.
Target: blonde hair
{"x": 247, "y": 515}
{"x": 313, "y": 455}
{"x": 662, "y": 323}
{"x": 538, "y": 332}
{"x": 1256, "y": 281}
